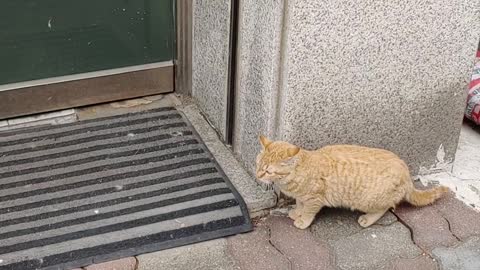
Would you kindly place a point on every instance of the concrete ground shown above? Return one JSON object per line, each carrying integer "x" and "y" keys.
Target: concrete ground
{"x": 445, "y": 235}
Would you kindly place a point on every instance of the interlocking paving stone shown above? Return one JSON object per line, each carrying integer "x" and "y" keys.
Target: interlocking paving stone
{"x": 430, "y": 229}
{"x": 465, "y": 256}
{"x": 209, "y": 255}
{"x": 354, "y": 247}
{"x": 333, "y": 224}
{"x": 464, "y": 220}
{"x": 374, "y": 248}
{"x": 303, "y": 250}
{"x": 254, "y": 251}
{"x": 423, "y": 262}
{"x": 121, "y": 264}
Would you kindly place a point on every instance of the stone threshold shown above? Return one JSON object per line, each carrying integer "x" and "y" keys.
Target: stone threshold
{"x": 50, "y": 118}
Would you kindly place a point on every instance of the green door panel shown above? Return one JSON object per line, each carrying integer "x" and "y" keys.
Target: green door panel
{"x": 48, "y": 38}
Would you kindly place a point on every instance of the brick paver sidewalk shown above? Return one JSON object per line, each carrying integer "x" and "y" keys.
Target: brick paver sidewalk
{"x": 445, "y": 235}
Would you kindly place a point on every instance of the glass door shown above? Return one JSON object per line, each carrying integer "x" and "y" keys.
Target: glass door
{"x": 60, "y": 44}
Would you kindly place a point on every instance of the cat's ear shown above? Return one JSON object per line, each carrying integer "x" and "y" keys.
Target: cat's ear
{"x": 264, "y": 141}
{"x": 292, "y": 158}
{"x": 293, "y": 151}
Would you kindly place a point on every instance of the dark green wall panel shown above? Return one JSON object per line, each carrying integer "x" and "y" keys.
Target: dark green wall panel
{"x": 49, "y": 38}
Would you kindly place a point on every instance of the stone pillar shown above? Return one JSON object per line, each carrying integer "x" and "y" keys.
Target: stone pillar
{"x": 210, "y": 59}
{"x": 258, "y": 75}
{"x": 388, "y": 74}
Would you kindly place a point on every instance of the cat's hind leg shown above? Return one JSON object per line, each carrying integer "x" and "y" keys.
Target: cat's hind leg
{"x": 295, "y": 212}
{"x": 308, "y": 213}
{"x": 370, "y": 218}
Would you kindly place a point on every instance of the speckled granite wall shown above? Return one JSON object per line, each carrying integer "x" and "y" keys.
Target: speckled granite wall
{"x": 389, "y": 74}
{"x": 210, "y": 45}
{"x": 260, "y": 25}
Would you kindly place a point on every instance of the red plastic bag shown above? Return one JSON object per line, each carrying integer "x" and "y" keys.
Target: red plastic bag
{"x": 472, "y": 111}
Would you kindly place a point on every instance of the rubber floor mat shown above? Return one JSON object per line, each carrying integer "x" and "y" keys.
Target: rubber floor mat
{"x": 97, "y": 190}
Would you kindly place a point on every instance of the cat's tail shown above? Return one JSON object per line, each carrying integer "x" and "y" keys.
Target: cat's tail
{"x": 425, "y": 197}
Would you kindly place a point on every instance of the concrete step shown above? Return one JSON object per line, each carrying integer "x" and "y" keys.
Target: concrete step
{"x": 258, "y": 201}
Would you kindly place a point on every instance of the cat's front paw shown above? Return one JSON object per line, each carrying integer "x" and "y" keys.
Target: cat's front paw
{"x": 369, "y": 218}
{"x": 302, "y": 223}
{"x": 363, "y": 221}
{"x": 293, "y": 214}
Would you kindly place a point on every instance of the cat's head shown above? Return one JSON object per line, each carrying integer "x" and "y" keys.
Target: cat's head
{"x": 276, "y": 160}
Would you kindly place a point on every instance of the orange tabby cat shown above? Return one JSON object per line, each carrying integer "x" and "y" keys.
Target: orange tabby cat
{"x": 360, "y": 178}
